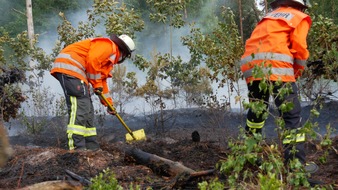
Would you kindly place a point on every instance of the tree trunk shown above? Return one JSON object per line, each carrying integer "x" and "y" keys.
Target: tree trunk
{"x": 159, "y": 165}
{"x": 240, "y": 19}
{"x": 5, "y": 149}
{"x": 255, "y": 9}
{"x": 30, "y": 24}
{"x": 266, "y": 6}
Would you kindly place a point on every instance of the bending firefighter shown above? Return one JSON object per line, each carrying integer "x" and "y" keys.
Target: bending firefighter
{"x": 89, "y": 61}
{"x": 278, "y": 45}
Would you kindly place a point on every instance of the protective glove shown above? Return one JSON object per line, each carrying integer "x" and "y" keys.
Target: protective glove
{"x": 316, "y": 67}
{"x": 109, "y": 99}
{"x": 98, "y": 90}
{"x": 111, "y": 112}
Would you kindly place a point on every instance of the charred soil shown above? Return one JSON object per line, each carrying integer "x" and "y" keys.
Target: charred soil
{"x": 44, "y": 158}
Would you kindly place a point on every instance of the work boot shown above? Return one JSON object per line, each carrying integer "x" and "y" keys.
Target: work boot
{"x": 314, "y": 182}
{"x": 92, "y": 143}
{"x": 311, "y": 167}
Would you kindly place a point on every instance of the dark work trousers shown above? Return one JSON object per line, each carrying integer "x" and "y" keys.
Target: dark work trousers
{"x": 80, "y": 129}
{"x": 292, "y": 118}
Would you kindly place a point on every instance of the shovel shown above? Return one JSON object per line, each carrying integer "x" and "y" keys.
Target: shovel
{"x": 130, "y": 136}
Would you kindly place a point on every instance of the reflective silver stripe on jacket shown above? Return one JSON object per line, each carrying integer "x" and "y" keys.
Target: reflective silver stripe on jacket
{"x": 93, "y": 77}
{"x": 274, "y": 71}
{"x": 300, "y": 62}
{"x": 67, "y": 56}
{"x": 69, "y": 67}
{"x": 285, "y": 15}
{"x": 107, "y": 95}
{"x": 268, "y": 56}
{"x": 112, "y": 57}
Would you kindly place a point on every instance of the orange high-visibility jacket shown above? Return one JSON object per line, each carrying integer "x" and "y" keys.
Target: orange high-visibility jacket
{"x": 90, "y": 60}
{"x": 279, "y": 42}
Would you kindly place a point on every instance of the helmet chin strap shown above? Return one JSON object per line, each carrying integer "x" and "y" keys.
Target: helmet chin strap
{"x": 123, "y": 57}
{"x": 121, "y": 60}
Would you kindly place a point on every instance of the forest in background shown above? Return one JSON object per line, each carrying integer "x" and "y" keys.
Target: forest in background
{"x": 213, "y": 36}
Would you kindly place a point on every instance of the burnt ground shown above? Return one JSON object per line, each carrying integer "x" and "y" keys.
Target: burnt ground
{"x": 43, "y": 157}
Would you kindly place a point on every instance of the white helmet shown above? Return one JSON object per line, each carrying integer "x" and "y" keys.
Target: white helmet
{"x": 302, "y": 3}
{"x": 305, "y": 3}
{"x": 126, "y": 45}
{"x": 128, "y": 41}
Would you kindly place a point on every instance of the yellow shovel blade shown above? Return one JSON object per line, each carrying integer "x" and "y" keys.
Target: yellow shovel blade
{"x": 139, "y": 135}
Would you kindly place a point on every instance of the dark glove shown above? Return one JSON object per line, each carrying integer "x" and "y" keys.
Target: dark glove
{"x": 98, "y": 90}
{"x": 111, "y": 112}
{"x": 315, "y": 63}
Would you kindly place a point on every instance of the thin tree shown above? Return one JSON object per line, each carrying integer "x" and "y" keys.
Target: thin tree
{"x": 240, "y": 18}
{"x": 30, "y": 24}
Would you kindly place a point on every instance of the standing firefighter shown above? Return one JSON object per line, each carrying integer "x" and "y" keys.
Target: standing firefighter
{"x": 82, "y": 63}
{"x": 278, "y": 46}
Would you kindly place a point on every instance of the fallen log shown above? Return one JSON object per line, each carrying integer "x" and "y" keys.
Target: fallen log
{"x": 159, "y": 165}
{"x": 81, "y": 179}
{"x": 183, "y": 178}
{"x": 202, "y": 173}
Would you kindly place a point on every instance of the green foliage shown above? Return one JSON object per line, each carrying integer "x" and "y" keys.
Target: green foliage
{"x": 252, "y": 162}
{"x": 242, "y": 155}
{"x": 105, "y": 181}
{"x": 322, "y": 142}
{"x": 220, "y": 50}
{"x": 187, "y": 77}
{"x": 214, "y": 184}
{"x": 297, "y": 177}
{"x": 45, "y": 13}
{"x": 116, "y": 18}
{"x": 11, "y": 99}
{"x": 16, "y": 54}
{"x": 250, "y": 15}
{"x": 323, "y": 44}
{"x": 168, "y": 11}
{"x": 34, "y": 114}
{"x": 269, "y": 181}
{"x": 33, "y": 125}
{"x": 152, "y": 90}
{"x": 327, "y": 8}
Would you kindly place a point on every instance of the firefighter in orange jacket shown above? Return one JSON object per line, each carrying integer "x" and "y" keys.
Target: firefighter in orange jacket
{"x": 89, "y": 61}
{"x": 278, "y": 45}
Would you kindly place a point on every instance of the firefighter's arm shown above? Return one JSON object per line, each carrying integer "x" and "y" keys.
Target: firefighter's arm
{"x": 98, "y": 54}
{"x": 106, "y": 93}
{"x": 299, "y": 47}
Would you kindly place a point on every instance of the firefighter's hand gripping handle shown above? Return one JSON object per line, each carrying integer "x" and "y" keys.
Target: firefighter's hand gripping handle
{"x": 111, "y": 109}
